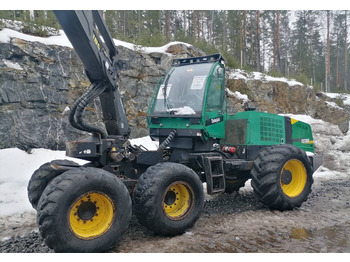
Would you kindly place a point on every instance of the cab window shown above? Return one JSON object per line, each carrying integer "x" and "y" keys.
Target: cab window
{"x": 216, "y": 90}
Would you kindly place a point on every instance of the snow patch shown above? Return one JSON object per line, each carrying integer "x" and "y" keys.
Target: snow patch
{"x": 66, "y": 109}
{"x": 7, "y": 34}
{"x": 11, "y": 64}
{"x": 344, "y": 97}
{"x": 237, "y": 95}
{"x": 332, "y": 104}
{"x": 326, "y": 173}
{"x": 186, "y": 110}
{"x": 17, "y": 167}
{"x": 240, "y": 74}
{"x": 148, "y": 50}
{"x": 146, "y": 141}
{"x": 61, "y": 39}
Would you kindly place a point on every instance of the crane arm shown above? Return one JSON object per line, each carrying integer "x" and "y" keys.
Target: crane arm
{"x": 89, "y": 35}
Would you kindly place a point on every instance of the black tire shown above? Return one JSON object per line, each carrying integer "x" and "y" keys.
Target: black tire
{"x": 234, "y": 185}
{"x": 84, "y": 210}
{"x": 168, "y": 198}
{"x": 282, "y": 177}
{"x": 42, "y": 177}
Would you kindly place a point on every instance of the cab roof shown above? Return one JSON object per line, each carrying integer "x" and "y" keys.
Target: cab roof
{"x": 198, "y": 60}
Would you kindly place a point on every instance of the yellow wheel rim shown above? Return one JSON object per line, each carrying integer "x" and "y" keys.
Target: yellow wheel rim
{"x": 293, "y": 178}
{"x": 91, "y": 215}
{"x": 177, "y": 200}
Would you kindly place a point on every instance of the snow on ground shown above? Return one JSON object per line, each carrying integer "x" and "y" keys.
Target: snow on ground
{"x": 17, "y": 166}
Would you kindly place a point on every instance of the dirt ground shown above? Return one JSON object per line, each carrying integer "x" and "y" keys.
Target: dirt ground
{"x": 239, "y": 223}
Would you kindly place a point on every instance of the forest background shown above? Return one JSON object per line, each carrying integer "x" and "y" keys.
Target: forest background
{"x": 311, "y": 46}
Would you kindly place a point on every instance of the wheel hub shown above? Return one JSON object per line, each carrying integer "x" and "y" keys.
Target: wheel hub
{"x": 170, "y": 198}
{"x": 91, "y": 215}
{"x": 177, "y": 201}
{"x": 86, "y": 210}
{"x": 293, "y": 178}
{"x": 286, "y": 177}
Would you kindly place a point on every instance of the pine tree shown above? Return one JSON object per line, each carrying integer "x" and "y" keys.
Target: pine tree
{"x": 346, "y": 87}
{"x": 328, "y": 62}
{"x": 258, "y": 59}
{"x": 304, "y": 41}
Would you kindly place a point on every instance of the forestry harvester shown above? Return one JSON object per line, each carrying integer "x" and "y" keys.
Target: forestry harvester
{"x": 88, "y": 208}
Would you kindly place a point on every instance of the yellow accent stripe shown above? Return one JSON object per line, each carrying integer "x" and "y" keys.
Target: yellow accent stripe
{"x": 293, "y": 121}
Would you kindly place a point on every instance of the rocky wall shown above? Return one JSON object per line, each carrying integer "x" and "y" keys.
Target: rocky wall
{"x": 39, "y": 83}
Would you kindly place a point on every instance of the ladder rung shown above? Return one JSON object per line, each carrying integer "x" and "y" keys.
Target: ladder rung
{"x": 218, "y": 175}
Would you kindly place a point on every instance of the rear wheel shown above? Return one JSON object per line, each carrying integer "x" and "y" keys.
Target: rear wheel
{"x": 282, "y": 177}
{"x": 42, "y": 177}
{"x": 168, "y": 198}
{"x": 84, "y": 210}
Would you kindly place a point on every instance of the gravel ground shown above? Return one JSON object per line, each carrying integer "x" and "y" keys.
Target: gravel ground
{"x": 229, "y": 223}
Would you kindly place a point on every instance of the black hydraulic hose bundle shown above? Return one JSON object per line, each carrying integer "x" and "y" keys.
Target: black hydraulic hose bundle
{"x": 77, "y": 111}
{"x": 168, "y": 140}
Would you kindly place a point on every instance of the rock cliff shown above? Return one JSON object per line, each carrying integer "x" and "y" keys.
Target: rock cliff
{"x": 39, "y": 83}
{"x": 280, "y": 96}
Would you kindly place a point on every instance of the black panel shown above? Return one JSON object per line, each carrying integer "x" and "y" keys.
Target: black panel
{"x": 164, "y": 132}
{"x": 235, "y": 132}
{"x": 150, "y": 158}
{"x": 289, "y": 130}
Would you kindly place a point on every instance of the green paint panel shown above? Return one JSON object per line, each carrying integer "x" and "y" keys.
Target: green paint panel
{"x": 262, "y": 128}
{"x": 302, "y": 136}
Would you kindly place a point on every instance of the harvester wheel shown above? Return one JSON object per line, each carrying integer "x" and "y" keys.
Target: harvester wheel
{"x": 234, "y": 185}
{"x": 168, "y": 198}
{"x": 282, "y": 177}
{"x": 42, "y": 177}
{"x": 84, "y": 210}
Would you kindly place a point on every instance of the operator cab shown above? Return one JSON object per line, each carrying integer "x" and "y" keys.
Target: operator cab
{"x": 190, "y": 100}
{"x": 183, "y": 90}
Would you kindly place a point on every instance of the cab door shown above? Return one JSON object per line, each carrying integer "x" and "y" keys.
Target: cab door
{"x": 215, "y": 100}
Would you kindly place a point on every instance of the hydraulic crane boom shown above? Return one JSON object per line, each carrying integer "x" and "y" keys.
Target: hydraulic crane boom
{"x": 84, "y": 30}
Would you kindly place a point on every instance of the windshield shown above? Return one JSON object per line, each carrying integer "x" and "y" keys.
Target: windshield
{"x": 182, "y": 92}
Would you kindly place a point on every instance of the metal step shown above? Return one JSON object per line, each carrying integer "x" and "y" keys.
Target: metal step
{"x": 214, "y": 171}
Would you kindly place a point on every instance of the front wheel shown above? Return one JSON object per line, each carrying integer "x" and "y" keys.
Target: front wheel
{"x": 168, "y": 198}
{"x": 43, "y": 176}
{"x": 282, "y": 177}
{"x": 84, "y": 210}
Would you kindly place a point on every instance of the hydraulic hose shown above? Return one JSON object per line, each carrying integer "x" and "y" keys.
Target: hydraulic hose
{"x": 73, "y": 110}
{"x": 76, "y": 115}
{"x": 168, "y": 140}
